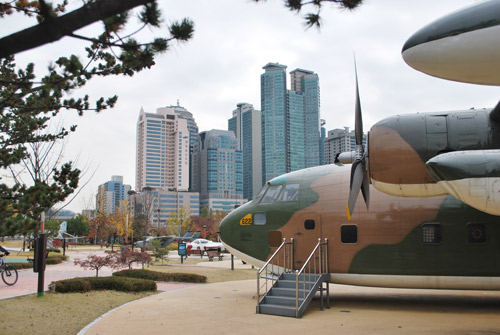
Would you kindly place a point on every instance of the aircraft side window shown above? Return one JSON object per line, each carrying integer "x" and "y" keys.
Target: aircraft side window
{"x": 349, "y": 234}
{"x": 476, "y": 233}
{"x": 431, "y": 233}
{"x": 309, "y": 224}
{"x": 259, "y": 219}
{"x": 290, "y": 193}
{"x": 271, "y": 194}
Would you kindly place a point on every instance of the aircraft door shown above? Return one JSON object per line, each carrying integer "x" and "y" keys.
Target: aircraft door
{"x": 309, "y": 230}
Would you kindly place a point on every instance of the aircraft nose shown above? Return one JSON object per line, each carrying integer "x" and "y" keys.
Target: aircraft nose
{"x": 224, "y": 229}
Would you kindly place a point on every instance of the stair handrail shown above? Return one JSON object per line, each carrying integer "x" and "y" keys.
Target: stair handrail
{"x": 322, "y": 267}
{"x": 269, "y": 261}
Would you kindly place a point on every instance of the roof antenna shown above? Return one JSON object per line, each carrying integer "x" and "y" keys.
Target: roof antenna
{"x": 178, "y": 103}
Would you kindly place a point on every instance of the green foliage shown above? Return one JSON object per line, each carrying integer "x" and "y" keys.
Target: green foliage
{"x": 162, "y": 276}
{"x": 73, "y": 285}
{"x": 20, "y": 266}
{"x": 56, "y": 259}
{"x": 121, "y": 284}
{"x": 52, "y": 226}
{"x": 313, "y": 19}
{"x": 29, "y": 102}
{"x": 78, "y": 226}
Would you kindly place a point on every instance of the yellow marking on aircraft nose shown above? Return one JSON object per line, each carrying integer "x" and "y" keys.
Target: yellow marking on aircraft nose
{"x": 247, "y": 220}
{"x": 348, "y": 214}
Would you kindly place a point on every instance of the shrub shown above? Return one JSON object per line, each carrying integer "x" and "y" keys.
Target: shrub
{"x": 122, "y": 284}
{"x": 172, "y": 247}
{"x": 20, "y": 266}
{"x": 56, "y": 259}
{"x": 104, "y": 283}
{"x": 73, "y": 285}
{"x": 162, "y": 276}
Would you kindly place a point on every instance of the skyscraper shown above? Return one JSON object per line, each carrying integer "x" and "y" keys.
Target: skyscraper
{"x": 273, "y": 98}
{"x": 162, "y": 153}
{"x": 110, "y": 194}
{"x": 194, "y": 168}
{"x": 291, "y": 138}
{"x": 307, "y": 82}
{"x": 246, "y": 125}
{"x": 221, "y": 170}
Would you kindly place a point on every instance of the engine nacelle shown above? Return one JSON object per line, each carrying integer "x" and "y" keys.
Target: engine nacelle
{"x": 470, "y": 176}
{"x": 400, "y": 146}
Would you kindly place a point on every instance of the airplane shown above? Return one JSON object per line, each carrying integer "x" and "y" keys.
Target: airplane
{"x": 168, "y": 239}
{"x": 430, "y": 182}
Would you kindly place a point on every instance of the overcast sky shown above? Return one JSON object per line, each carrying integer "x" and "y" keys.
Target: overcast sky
{"x": 222, "y": 64}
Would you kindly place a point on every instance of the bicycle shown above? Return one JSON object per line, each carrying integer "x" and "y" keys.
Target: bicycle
{"x": 9, "y": 272}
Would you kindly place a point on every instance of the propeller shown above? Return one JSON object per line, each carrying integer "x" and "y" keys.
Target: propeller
{"x": 359, "y": 169}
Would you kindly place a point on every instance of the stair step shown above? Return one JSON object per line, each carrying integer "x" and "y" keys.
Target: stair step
{"x": 293, "y": 276}
{"x": 286, "y": 292}
{"x": 281, "y": 300}
{"x": 277, "y": 310}
{"x": 293, "y": 283}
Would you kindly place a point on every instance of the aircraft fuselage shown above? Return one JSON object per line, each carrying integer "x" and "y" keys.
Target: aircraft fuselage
{"x": 433, "y": 242}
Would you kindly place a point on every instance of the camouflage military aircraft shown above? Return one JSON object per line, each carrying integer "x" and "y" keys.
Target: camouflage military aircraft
{"x": 430, "y": 181}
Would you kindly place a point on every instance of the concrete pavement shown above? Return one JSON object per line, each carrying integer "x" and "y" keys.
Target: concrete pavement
{"x": 229, "y": 308}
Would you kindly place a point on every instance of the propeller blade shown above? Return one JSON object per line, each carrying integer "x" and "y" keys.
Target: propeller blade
{"x": 357, "y": 172}
{"x": 365, "y": 187}
{"x": 358, "y": 122}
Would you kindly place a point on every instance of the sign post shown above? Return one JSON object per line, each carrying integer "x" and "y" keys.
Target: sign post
{"x": 181, "y": 250}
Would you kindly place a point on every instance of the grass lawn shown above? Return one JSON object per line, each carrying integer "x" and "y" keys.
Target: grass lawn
{"x": 58, "y": 313}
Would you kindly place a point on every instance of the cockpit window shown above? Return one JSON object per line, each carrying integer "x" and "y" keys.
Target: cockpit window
{"x": 290, "y": 193}
{"x": 261, "y": 193}
{"x": 271, "y": 194}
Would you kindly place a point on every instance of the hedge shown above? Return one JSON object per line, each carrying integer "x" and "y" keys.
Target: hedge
{"x": 122, "y": 284}
{"x": 73, "y": 285}
{"x": 51, "y": 260}
{"x": 162, "y": 276}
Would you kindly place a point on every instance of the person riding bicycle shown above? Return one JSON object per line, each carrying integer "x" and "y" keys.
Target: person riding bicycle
{"x": 5, "y": 251}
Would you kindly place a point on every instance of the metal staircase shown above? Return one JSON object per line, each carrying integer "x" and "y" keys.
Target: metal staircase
{"x": 290, "y": 291}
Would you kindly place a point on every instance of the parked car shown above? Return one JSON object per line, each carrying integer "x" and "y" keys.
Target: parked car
{"x": 203, "y": 245}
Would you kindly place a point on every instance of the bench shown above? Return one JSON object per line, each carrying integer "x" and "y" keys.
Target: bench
{"x": 214, "y": 253}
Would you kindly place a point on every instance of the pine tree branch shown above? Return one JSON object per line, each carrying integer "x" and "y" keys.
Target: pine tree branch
{"x": 58, "y": 27}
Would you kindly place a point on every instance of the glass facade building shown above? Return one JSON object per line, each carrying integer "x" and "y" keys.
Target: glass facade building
{"x": 246, "y": 125}
{"x": 110, "y": 194}
{"x": 274, "y": 120}
{"x": 291, "y": 138}
{"x": 221, "y": 170}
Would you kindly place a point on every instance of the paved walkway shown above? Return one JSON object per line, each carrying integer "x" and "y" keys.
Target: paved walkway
{"x": 27, "y": 282}
{"x": 229, "y": 308}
